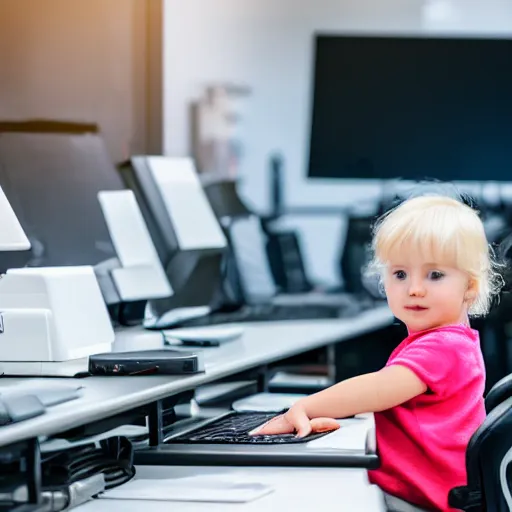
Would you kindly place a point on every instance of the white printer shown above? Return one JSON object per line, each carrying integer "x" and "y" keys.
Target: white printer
{"x": 48, "y": 316}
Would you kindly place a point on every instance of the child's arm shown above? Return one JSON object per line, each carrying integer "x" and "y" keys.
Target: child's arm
{"x": 371, "y": 392}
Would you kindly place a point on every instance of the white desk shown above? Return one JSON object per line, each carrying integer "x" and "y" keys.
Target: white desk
{"x": 295, "y": 489}
{"x": 260, "y": 344}
{"x": 266, "y": 342}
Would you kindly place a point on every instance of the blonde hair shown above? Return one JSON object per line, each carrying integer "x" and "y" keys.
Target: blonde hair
{"x": 445, "y": 229}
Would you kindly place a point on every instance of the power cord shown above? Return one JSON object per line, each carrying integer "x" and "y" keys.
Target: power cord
{"x": 113, "y": 458}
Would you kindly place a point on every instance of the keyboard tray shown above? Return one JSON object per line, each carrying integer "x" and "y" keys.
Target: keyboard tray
{"x": 180, "y": 450}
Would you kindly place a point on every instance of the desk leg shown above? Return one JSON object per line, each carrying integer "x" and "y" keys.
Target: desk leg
{"x": 263, "y": 379}
{"x": 331, "y": 363}
{"x": 34, "y": 485}
{"x": 155, "y": 423}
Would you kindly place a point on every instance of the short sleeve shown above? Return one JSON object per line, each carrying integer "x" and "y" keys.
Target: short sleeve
{"x": 434, "y": 359}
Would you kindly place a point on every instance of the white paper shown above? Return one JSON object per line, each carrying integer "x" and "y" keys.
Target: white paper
{"x": 350, "y": 436}
{"x": 197, "y": 488}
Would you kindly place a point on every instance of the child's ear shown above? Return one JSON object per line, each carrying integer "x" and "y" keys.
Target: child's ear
{"x": 472, "y": 291}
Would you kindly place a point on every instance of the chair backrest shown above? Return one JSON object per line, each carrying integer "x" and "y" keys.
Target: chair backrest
{"x": 355, "y": 254}
{"x": 498, "y": 393}
{"x": 488, "y": 458}
{"x": 287, "y": 262}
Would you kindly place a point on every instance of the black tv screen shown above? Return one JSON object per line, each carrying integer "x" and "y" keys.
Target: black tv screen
{"x": 387, "y": 107}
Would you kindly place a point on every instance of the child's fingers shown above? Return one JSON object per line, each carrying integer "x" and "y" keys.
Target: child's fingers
{"x": 277, "y": 425}
{"x": 304, "y": 429}
{"x": 324, "y": 424}
{"x": 299, "y": 419}
{"x": 298, "y": 422}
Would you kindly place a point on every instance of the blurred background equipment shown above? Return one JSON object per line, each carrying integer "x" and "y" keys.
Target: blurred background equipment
{"x": 216, "y": 142}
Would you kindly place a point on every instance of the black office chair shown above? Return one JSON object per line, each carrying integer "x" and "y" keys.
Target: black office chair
{"x": 488, "y": 458}
{"x": 498, "y": 393}
{"x": 355, "y": 254}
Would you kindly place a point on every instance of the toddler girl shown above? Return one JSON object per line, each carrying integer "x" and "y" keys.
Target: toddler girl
{"x": 435, "y": 264}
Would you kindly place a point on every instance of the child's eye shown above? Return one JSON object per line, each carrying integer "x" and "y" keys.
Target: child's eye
{"x": 400, "y": 274}
{"x": 435, "y": 275}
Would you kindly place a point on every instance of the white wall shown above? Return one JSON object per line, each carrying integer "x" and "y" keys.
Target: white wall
{"x": 468, "y": 16}
{"x": 268, "y": 44}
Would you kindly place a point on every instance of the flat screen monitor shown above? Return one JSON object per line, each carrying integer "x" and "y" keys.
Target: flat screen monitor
{"x": 52, "y": 181}
{"x": 388, "y": 107}
{"x": 248, "y": 246}
{"x": 185, "y": 231}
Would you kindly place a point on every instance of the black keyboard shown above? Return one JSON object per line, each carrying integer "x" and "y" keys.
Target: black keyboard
{"x": 234, "y": 428}
{"x": 266, "y": 313}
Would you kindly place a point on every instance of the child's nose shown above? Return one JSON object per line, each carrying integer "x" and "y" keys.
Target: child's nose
{"x": 416, "y": 288}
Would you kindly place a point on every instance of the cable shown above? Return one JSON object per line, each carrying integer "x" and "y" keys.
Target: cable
{"x": 113, "y": 459}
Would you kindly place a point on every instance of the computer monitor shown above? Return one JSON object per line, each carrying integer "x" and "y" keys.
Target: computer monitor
{"x": 54, "y": 174}
{"x": 188, "y": 237}
{"x": 223, "y": 197}
{"x": 52, "y": 181}
{"x": 247, "y": 241}
{"x": 140, "y": 274}
{"x": 411, "y": 107}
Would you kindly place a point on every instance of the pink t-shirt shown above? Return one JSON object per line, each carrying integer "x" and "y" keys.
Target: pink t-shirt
{"x": 422, "y": 443}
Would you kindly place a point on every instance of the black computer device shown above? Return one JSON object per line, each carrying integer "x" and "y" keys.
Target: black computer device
{"x": 234, "y": 428}
{"x": 146, "y": 362}
{"x": 411, "y": 106}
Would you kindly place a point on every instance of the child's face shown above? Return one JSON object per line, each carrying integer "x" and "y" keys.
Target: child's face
{"x": 424, "y": 294}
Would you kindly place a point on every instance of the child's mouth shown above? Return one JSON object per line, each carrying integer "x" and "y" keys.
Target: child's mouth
{"x": 415, "y": 308}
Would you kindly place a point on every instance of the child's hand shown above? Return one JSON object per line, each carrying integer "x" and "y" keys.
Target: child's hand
{"x": 295, "y": 420}
{"x": 277, "y": 425}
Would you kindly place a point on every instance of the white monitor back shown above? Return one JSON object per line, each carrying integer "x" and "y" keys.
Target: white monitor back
{"x": 141, "y": 275}
{"x": 248, "y": 244}
{"x": 12, "y": 236}
{"x": 194, "y": 221}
